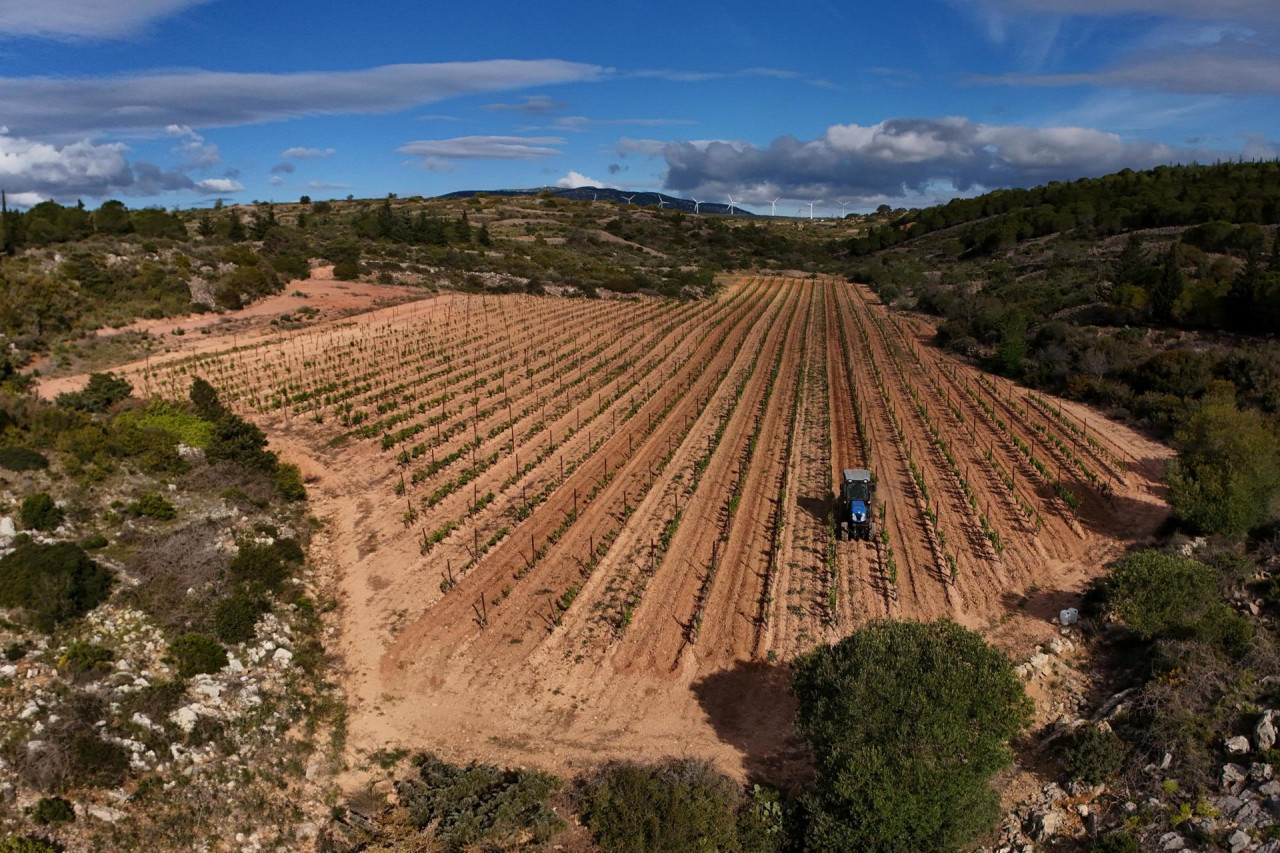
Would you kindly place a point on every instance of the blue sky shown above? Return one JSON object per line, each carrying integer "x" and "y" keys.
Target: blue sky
{"x": 176, "y": 102}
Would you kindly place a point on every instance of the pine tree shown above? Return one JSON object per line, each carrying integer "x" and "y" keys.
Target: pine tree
{"x": 1167, "y": 288}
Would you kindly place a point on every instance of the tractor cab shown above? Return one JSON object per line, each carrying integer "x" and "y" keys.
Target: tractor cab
{"x": 857, "y": 512}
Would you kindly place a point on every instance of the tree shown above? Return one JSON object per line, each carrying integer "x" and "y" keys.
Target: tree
{"x": 205, "y": 400}
{"x": 907, "y": 722}
{"x": 1167, "y": 288}
{"x": 235, "y": 228}
{"x": 1226, "y": 477}
{"x": 52, "y": 583}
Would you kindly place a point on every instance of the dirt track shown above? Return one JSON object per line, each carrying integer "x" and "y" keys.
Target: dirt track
{"x": 565, "y": 530}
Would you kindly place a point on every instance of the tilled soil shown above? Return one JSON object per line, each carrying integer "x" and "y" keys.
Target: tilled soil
{"x": 567, "y": 530}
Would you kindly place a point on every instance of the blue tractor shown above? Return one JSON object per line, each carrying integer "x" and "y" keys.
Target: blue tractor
{"x": 856, "y": 513}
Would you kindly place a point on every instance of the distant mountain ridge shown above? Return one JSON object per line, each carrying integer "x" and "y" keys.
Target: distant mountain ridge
{"x": 640, "y": 199}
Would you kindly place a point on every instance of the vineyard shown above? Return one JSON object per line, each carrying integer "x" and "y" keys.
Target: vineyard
{"x": 572, "y": 528}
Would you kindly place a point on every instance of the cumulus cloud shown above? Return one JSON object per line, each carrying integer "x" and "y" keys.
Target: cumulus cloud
{"x": 85, "y": 19}
{"x": 298, "y": 153}
{"x": 900, "y": 158}
{"x": 88, "y": 168}
{"x": 61, "y": 105}
{"x": 219, "y": 185}
{"x": 485, "y": 147}
{"x": 194, "y": 152}
{"x": 577, "y": 179}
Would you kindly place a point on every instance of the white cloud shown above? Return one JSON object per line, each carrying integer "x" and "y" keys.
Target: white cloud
{"x": 307, "y": 153}
{"x": 908, "y": 158}
{"x": 84, "y": 19}
{"x": 194, "y": 151}
{"x": 275, "y": 181}
{"x": 327, "y": 185}
{"x": 577, "y": 179}
{"x": 646, "y": 147}
{"x": 25, "y": 199}
{"x": 531, "y": 105}
{"x": 1235, "y": 70}
{"x": 485, "y": 147}
{"x": 201, "y": 99}
{"x": 78, "y": 168}
{"x": 219, "y": 185}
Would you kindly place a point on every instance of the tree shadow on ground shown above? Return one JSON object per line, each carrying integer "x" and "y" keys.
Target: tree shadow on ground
{"x": 750, "y": 709}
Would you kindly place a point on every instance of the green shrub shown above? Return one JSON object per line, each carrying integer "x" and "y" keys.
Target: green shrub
{"x": 52, "y": 583}
{"x": 26, "y": 844}
{"x": 676, "y": 805}
{"x": 49, "y": 810}
{"x": 260, "y": 564}
{"x": 1168, "y": 595}
{"x": 95, "y": 542}
{"x": 289, "y": 482}
{"x": 22, "y": 459}
{"x": 236, "y": 440}
{"x": 346, "y": 271}
{"x": 908, "y": 723}
{"x": 82, "y": 658}
{"x": 152, "y": 505}
{"x": 102, "y": 392}
{"x": 194, "y": 654}
{"x": 1116, "y": 842}
{"x": 39, "y": 512}
{"x": 96, "y": 762}
{"x": 481, "y": 806}
{"x": 191, "y": 430}
{"x": 205, "y": 400}
{"x": 235, "y": 618}
{"x": 1091, "y": 754}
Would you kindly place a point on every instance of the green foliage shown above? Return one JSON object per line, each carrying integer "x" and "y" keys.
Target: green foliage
{"x": 1091, "y": 754}
{"x": 83, "y": 658}
{"x": 908, "y": 723}
{"x": 22, "y": 459}
{"x": 52, "y": 583}
{"x": 236, "y": 440}
{"x": 26, "y": 844}
{"x": 102, "y": 392}
{"x": 204, "y": 397}
{"x": 264, "y": 565}
{"x": 1168, "y": 595}
{"x": 1226, "y": 477}
{"x": 194, "y": 654}
{"x": 480, "y": 806}
{"x": 39, "y": 512}
{"x": 289, "y": 482}
{"x": 1116, "y": 842}
{"x": 49, "y": 810}
{"x": 235, "y": 617}
{"x": 675, "y": 805}
{"x": 189, "y": 429}
{"x": 152, "y": 505}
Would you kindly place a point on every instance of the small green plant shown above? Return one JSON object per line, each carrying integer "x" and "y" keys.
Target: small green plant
{"x": 1091, "y": 754}
{"x": 152, "y": 505}
{"x": 81, "y": 659}
{"x": 235, "y": 618}
{"x": 289, "y": 482}
{"x": 22, "y": 459}
{"x": 39, "y": 512}
{"x": 194, "y": 654}
{"x": 26, "y": 844}
{"x": 52, "y": 583}
{"x": 49, "y": 810}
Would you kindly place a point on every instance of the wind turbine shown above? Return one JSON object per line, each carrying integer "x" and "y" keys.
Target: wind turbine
{"x": 661, "y": 203}
{"x": 843, "y": 205}
{"x": 696, "y": 205}
{"x": 773, "y": 206}
{"x": 811, "y": 204}
{"x": 731, "y": 204}
{"x": 626, "y": 198}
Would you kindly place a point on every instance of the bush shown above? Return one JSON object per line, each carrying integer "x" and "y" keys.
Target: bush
{"x": 235, "y": 618}
{"x": 22, "y": 459}
{"x": 260, "y": 564}
{"x": 236, "y": 440}
{"x": 195, "y": 654}
{"x": 1226, "y": 477}
{"x": 481, "y": 806}
{"x": 908, "y": 723}
{"x": 1091, "y": 754}
{"x": 289, "y": 482}
{"x": 49, "y": 810}
{"x": 26, "y": 844}
{"x": 676, "y": 805}
{"x": 205, "y": 400}
{"x": 346, "y": 271}
{"x": 82, "y": 658}
{"x": 1168, "y": 595}
{"x": 39, "y": 512}
{"x": 52, "y": 583}
{"x": 154, "y": 506}
{"x": 102, "y": 392}
{"x": 95, "y": 542}
{"x": 1116, "y": 842}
